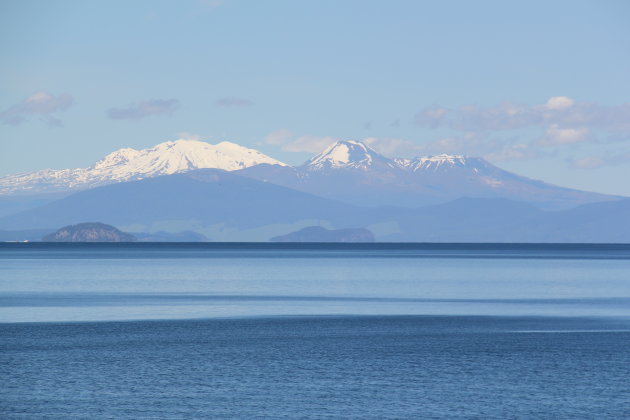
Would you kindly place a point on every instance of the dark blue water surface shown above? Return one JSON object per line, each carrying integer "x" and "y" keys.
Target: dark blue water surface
{"x": 314, "y": 331}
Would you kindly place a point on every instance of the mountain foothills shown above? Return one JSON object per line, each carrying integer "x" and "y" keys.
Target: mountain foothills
{"x": 218, "y": 204}
{"x": 192, "y": 190}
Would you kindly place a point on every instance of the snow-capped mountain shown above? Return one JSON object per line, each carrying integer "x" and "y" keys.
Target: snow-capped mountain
{"x": 130, "y": 164}
{"x": 347, "y": 171}
{"x": 352, "y": 172}
{"x": 351, "y": 154}
{"x": 347, "y": 154}
{"x": 348, "y": 185}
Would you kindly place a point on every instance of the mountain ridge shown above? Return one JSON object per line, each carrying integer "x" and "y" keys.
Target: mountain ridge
{"x": 352, "y": 172}
{"x": 348, "y": 171}
{"x": 129, "y": 164}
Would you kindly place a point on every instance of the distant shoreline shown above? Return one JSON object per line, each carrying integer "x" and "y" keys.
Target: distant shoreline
{"x": 131, "y": 250}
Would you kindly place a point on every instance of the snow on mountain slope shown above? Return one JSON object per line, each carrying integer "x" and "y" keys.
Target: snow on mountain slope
{"x": 350, "y": 154}
{"x": 179, "y": 156}
{"x": 347, "y": 154}
{"x": 435, "y": 163}
{"x": 130, "y": 164}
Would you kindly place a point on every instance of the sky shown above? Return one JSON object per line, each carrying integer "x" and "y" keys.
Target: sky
{"x": 539, "y": 88}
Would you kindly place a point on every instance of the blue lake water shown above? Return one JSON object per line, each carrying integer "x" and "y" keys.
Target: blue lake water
{"x": 319, "y": 331}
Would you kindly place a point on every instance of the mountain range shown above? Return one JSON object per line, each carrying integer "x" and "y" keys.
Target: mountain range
{"x": 352, "y": 172}
{"x": 227, "y": 192}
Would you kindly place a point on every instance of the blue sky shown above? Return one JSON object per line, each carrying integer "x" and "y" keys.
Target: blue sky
{"x": 539, "y": 88}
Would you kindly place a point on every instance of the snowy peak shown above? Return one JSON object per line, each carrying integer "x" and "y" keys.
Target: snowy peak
{"x": 130, "y": 164}
{"x": 356, "y": 155}
{"x": 180, "y": 156}
{"x": 346, "y": 154}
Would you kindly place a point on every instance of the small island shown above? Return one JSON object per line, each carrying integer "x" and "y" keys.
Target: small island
{"x": 89, "y": 232}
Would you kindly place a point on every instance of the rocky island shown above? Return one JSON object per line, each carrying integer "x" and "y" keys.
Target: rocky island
{"x": 89, "y": 232}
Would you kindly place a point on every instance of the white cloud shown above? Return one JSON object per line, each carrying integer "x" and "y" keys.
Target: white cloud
{"x": 39, "y": 104}
{"x": 559, "y": 102}
{"x": 560, "y": 111}
{"x": 555, "y": 135}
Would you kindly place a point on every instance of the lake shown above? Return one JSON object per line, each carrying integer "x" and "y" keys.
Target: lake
{"x": 314, "y": 331}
